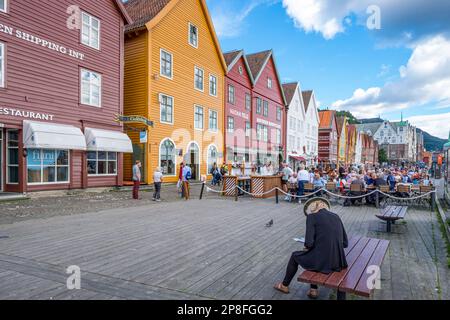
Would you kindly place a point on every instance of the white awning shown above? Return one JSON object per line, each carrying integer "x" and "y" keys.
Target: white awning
{"x": 106, "y": 140}
{"x": 44, "y": 135}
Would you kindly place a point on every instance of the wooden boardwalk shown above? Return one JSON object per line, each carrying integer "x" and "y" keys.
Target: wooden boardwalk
{"x": 213, "y": 249}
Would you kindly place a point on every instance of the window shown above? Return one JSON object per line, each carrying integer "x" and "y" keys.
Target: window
{"x": 166, "y": 108}
{"x": 2, "y": 65}
{"x": 47, "y": 166}
{"x": 279, "y": 113}
{"x": 258, "y": 105}
{"x": 265, "y": 131}
{"x": 213, "y": 85}
{"x": 3, "y": 5}
{"x": 167, "y": 156}
{"x": 193, "y": 35}
{"x": 213, "y": 120}
{"x": 90, "y": 31}
{"x": 231, "y": 94}
{"x": 198, "y": 118}
{"x": 230, "y": 126}
{"x": 102, "y": 163}
{"x": 278, "y": 136}
{"x": 269, "y": 83}
{"x": 198, "y": 79}
{"x": 166, "y": 64}
{"x": 262, "y": 133}
{"x": 248, "y": 102}
{"x": 91, "y": 87}
{"x": 248, "y": 129}
{"x": 266, "y": 108}
{"x": 12, "y": 157}
{"x": 212, "y": 157}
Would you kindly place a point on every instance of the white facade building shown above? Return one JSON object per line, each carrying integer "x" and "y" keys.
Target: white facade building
{"x": 358, "y": 148}
{"x": 311, "y": 127}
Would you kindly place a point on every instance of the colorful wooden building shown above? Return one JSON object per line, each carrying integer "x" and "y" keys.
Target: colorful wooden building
{"x": 328, "y": 139}
{"x": 342, "y": 142}
{"x": 174, "y": 76}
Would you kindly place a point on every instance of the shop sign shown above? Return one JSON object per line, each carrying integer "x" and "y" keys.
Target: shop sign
{"x": 25, "y": 114}
{"x": 143, "y": 136}
{"x": 239, "y": 114}
{"x": 268, "y": 123}
{"x": 134, "y": 119}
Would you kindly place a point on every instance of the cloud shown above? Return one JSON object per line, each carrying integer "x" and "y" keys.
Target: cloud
{"x": 423, "y": 81}
{"x": 401, "y": 21}
{"x": 433, "y": 124}
{"x": 229, "y": 21}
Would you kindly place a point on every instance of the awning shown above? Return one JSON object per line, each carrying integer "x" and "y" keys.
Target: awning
{"x": 44, "y": 135}
{"x": 297, "y": 158}
{"x": 106, "y": 140}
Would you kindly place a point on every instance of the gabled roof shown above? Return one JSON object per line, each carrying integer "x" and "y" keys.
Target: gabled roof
{"x": 326, "y": 119}
{"x": 289, "y": 91}
{"x": 142, "y": 11}
{"x": 258, "y": 61}
{"x": 123, "y": 11}
{"x": 148, "y": 13}
{"x": 307, "y": 95}
{"x": 366, "y": 127}
{"x": 232, "y": 57}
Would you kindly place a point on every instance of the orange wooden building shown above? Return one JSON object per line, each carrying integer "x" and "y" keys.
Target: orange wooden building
{"x": 174, "y": 76}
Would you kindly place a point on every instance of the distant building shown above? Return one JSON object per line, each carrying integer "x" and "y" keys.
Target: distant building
{"x": 328, "y": 139}
{"x": 311, "y": 127}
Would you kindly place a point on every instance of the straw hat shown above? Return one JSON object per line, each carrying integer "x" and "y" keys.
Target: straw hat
{"x": 311, "y": 201}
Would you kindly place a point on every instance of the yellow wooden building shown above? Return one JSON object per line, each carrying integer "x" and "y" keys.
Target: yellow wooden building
{"x": 174, "y": 76}
{"x": 342, "y": 144}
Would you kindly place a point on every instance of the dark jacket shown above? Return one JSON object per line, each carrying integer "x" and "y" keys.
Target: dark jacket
{"x": 326, "y": 239}
{"x": 379, "y": 182}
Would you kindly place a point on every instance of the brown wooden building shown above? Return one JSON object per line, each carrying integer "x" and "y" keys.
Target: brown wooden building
{"x": 328, "y": 139}
{"x": 60, "y": 90}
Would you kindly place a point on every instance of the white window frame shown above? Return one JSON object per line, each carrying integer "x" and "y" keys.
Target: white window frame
{"x": 213, "y": 76}
{"x": 189, "y": 35}
{"x": 248, "y": 106}
{"x": 269, "y": 83}
{"x": 217, "y": 121}
{"x": 175, "y": 157}
{"x": 160, "y": 108}
{"x": 231, "y": 88}
{"x": 2, "y": 64}
{"x": 106, "y": 160}
{"x": 161, "y": 51}
{"x": 195, "y": 79}
{"x": 100, "y": 89}
{"x": 203, "y": 117}
{"x": 7, "y": 158}
{"x": 5, "y": 9}
{"x": 91, "y": 17}
{"x": 56, "y": 172}
{"x": 265, "y": 109}
{"x": 208, "y": 158}
{"x": 228, "y": 124}
{"x": 248, "y": 128}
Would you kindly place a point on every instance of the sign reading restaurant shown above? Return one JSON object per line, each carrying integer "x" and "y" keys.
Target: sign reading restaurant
{"x": 25, "y": 114}
{"x": 25, "y": 36}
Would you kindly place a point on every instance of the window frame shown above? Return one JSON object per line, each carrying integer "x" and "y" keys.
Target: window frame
{"x": 248, "y": 129}
{"x": 258, "y": 105}
{"x": 100, "y": 89}
{"x": 279, "y": 114}
{"x": 211, "y": 75}
{"x": 208, "y": 158}
{"x": 160, "y": 95}
{"x": 230, "y": 122}
{"x": 269, "y": 83}
{"x": 8, "y": 148}
{"x": 265, "y": 108}
{"x": 232, "y": 89}
{"x": 248, "y": 101}
{"x": 190, "y": 24}
{"x": 210, "y": 112}
{"x": 5, "y": 10}
{"x": 3, "y": 65}
{"x": 56, "y": 166}
{"x": 203, "y": 117}
{"x": 161, "y": 51}
{"x": 91, "y": 17}
{"x": 174, "y": 155}
{"x": 195, "y": 79}
{"x": 107, "y": 166}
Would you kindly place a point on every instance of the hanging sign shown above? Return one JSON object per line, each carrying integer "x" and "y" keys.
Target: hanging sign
{"x": 134, "y": 119}
{"x": 143, "y": 136}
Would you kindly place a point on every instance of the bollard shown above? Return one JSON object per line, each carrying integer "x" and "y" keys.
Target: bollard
{"x": 203, "y": 189}
{"x": 276, "y": 196}
{"x": 236, "y": 193}
{"x": 433, "y": 202}
{"x": 377, "y": 199}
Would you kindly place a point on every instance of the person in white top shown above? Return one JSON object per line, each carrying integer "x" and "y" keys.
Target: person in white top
{"x": 302, "y": 177}
{"x": 157, "y": 180}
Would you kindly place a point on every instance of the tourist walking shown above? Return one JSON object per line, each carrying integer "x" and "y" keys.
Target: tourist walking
{"x": 287, "y": 173}
{"x": 157, "y": 180}
{"x": 303, "y": 178}
{"x": 136, "y": 179}
{"x": 187, "y": 174}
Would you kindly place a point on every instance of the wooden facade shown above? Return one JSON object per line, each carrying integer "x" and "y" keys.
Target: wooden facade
{"x": 328, "y": 138}
{"x": 165, "y": 26}
{"x": 43, "y": 62}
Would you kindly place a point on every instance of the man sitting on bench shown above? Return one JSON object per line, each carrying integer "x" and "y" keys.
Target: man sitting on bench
{"x": 325, "y": 241}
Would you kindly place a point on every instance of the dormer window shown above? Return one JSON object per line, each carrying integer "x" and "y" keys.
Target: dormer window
{"x": 193, "y": 35}
{"x": 241, "y": 71}
{"x": 269, "y": 83}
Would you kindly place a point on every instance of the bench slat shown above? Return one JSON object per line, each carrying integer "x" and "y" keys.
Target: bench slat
{"x": 307, "y": 276}
{"x": 359, "y": 267}
{"x": 376, "y": 260}
{"x": 335, "y": 279}
{"x": 402, "y": 213}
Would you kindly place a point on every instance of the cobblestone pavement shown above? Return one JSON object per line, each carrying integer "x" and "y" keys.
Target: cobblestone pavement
{"x": 78, "y": 202}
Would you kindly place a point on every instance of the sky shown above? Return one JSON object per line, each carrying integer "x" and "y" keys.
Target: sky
{"x": 371, "y": 57}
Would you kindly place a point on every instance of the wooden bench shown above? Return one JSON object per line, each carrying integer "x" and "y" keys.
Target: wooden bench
{"x": 391, "y": 214}
{"x": 361, "y": 253}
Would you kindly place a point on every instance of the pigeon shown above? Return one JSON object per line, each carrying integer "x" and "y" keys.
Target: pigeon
{"x": 269, "y": 224}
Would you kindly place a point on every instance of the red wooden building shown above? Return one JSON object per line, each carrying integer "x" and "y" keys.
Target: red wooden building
{"x": 328, "y": 139}
{"x": 60, "y": 90}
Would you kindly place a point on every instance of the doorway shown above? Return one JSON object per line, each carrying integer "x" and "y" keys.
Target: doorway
{"x": 193, "y": 160}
